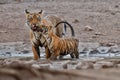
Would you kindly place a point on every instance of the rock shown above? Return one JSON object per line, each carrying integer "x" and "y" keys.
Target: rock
{"x": 88, "y": 28}
{"x": 110, "y": 44}
{"x": 97, "y": 66}
{"x": 103, "y": 64}
{"x": 35, "y": 66}
{"x": 65, "y": 63}
{"x": 107, "y": 44}
{"x": 46, "y": 66}
{"x": 8, "y": 54}
{"x": 98, "y": 33}
{"x": 7, "y": 61}
{"x": 29, "y": 62}
{"x": 3, "y": 31}
{"x": 103, "y": 50}
{"x": 94, "y": 51}
{"x": 116, "y": 6}
{"x": 25, "y": 51}
{"x": 84, "y": 65}
{"x": 56, "y": 65}
{"x": 94, "y": 36}
{"x": 118, "y": 65}
{"x": 72, "y": 65}
{"x": 114, "y": 49}
{"x": 113, "y": 13}
{"x": 11, "y": 61}
{"x": 75, "y": 21}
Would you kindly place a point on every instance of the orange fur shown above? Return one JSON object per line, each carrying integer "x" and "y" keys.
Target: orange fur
{"x": 34, "y": 20}
{"x": 61, "y": 46}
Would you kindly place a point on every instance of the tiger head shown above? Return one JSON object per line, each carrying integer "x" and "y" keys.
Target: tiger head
{"x": 47, "y": 31}
{"x": 33, "y": 20}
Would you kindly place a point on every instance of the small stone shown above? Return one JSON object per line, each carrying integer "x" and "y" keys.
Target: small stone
{"x": 98, "y": 33}
{"x": 94, "y": 51}
{"x": 8, "y": 54}
{"x": 114, "y": 49}
{"x": 75, "y": 21}
{"x": 56, "y": 65}
{"x": 88, "y": 28}
{"x": 113, "y": 13}
{"x": 3, "y": 31}
{"x": 103, "y": 50}
{"x": 84, "y": 65}
{"x": 97, "y": 66}
{"x": 118, "y": 65}
{"x": 46, "y": 66}
{"x": 105, "y": 64}
{"x": 35, "y": 66}
{"x": 116, "y": 6}
{"x": 64, "y": 64}
{"x": 107, "y": 44}
{"x": 29, "y": 62}
{"x": 70, "y": 66}
{"x": 25, "y": 51}
{"x": 94, "y": 36}
{"x": 110, "y": 44}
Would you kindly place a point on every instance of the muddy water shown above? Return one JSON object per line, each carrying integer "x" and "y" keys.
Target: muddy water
{"x": 20, "y": 49}
{"x": 92, "y": 55}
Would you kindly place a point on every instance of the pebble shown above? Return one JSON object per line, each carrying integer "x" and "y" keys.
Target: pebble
{"x": 35, "y": 66}
{"x": 88, "y": 28}
{"x": 115, "y": 49}
{"x": 98, "y": 33}
{"x": 84, "y": 65}
{"x": 118, "y": 65}
{"x": 103, "y": 49}
{"x": 3, "y": 31}
{"x": 46, "y": 66}
{"x": 76, "y": 21}
{"x": 56, "y": 65}
{"x": 97, "y": 66}
{"x": 104, "y": 64}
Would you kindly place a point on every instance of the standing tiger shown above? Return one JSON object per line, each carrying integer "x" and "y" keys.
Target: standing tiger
{"x": 59, "y": 46}
{"x": 34, "y": 20}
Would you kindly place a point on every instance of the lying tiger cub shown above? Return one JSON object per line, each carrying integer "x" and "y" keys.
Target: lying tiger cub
{"x": 60, "y": 46}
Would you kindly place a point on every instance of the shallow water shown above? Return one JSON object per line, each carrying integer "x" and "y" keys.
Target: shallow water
{"x": 93, "y": 50}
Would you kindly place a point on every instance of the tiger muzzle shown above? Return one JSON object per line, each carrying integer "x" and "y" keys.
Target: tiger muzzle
{"x": 34, "y": 27}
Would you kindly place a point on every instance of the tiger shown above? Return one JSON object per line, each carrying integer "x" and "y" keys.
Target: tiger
{"x": 59, "y": 46}
{"x": 33, "y": 21}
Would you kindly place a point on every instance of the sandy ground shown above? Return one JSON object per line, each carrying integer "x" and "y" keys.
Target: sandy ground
{"x": 102, "y": 16}
{"x": 95, "y": 21}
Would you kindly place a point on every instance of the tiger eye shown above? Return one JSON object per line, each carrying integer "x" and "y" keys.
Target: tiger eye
{"x": 39, "y": 18}
{"x": 30, "y": 17}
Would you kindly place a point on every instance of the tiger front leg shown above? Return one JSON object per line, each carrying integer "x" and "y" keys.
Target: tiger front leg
{"x": 48, "y": 54}
{"x": 36, "y": 52}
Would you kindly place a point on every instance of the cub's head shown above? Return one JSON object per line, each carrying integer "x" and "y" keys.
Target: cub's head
{"x": 33, "y": 19}
{"x": 47, "y": 30}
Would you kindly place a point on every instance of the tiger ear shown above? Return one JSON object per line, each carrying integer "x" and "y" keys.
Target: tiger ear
{"x": 26, "y": 11}
{"x": 41, "y": 12}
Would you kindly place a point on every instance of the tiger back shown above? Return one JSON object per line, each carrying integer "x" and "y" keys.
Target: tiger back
{"x": 61, "y": 46}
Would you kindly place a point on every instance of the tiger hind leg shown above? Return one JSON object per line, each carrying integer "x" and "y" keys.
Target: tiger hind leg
{"x": 60, "y": 57}
{"x": 48, "y": 54}
{"x": 72, "y": 55}
{"x": 77, "y": 55}
{"x": 54, "y": 55}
